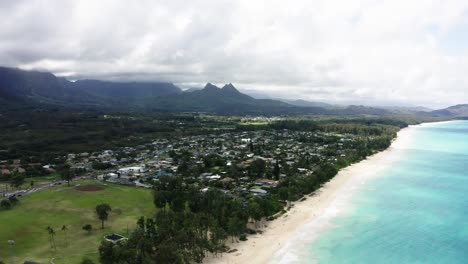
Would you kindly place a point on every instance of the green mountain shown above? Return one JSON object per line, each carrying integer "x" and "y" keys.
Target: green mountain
{"x": 16, "y": 84}
{"x": 460, "y": 110}
{"x": 44, "y": 87}
{"x": 125, "y": 90}
{"x": 21, "y": 89}
{"x": 217, "y": 100}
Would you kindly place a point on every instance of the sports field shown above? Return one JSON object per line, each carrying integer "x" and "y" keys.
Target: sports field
{"x": 73, "y": 207}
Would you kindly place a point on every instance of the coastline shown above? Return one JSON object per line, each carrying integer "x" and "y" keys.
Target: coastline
{"x": 279, "y": 241}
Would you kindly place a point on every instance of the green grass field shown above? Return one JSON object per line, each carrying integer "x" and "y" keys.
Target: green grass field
{"x": 26, "y": 223}
{"x": 255, "y": 123}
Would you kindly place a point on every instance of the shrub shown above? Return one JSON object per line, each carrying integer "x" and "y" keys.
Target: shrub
{"x": 86, "y": 261}
{"x": 251, "y": 231}
{"x": 13, "y": 200}
{"x": 88, "y": 228}
{"x": 5, "y": 204}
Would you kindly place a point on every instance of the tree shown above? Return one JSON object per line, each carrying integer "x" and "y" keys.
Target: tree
{"x": 86, "y": 260}
{"x": 5, "y": 204}
{"x": 255, "y": 211}
{"x": 65, "y": 229}
{"x": 101, "y": 165}
{"x": 51, "y": 233}
{"x": 258, "y": 167}
{"x": 183, "y": 168}
{"x": 65, "y": 173}
{"x": 88, "y": 228}
{"x": 13, "y": 200}
{"x": 18, "y": 180}
{"x": 235, "y": 226}
{"x": 276, "y": 171}
{"x": 102, "y": 210}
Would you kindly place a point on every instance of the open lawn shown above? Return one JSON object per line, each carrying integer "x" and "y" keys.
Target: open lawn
{"x": 255, "y": 123}
{"x": 26, "y": 223}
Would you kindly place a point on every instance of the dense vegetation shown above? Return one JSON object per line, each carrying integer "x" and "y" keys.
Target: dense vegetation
{"x": 41, "y": 135}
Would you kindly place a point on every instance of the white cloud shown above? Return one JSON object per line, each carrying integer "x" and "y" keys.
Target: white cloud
{"x": 365, "y": 51}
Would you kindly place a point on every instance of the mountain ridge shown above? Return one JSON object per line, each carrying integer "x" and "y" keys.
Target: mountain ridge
{"x": 45, "y": 87}
{"x": 460, "y": 110}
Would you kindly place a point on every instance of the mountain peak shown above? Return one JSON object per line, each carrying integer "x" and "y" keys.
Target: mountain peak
{"x": 210, "y": 86}
{"x": 229, "y": 87}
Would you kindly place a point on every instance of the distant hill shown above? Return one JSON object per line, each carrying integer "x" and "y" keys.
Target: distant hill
{"x": 16, "y": 84}
{"x": 125, "y": 90}
{"x": 460, "y": 110}
{"x": 193, "y": 89}
{"x": 407, "y": 109}
{"x": 306, "y": 103}
{"x": 44, "y": 87}
{"x": 257, "y": 94}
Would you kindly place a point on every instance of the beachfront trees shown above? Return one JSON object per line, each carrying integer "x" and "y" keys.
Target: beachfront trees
{"x": 255, "y": 211}
{"x": 102, "y": 210}
{"x": 171, "y": 237}
{"x": 235, "y": 227}
{"x": 169, "y": 191}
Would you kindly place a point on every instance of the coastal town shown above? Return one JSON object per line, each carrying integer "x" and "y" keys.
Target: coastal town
{"x": 226, "y": 175}
{"x": 239, "y": 163}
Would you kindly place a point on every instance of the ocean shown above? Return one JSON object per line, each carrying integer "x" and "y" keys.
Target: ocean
{"x": 414, "y": 210}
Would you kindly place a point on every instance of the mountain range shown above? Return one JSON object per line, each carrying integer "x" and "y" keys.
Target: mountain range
{"x": 18, "y": 86}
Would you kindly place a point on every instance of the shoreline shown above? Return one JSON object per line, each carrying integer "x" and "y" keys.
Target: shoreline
{"x": 279, "y": 241}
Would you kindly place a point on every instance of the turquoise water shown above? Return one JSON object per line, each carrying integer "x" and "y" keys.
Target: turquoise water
{"x": 416, "y": 212}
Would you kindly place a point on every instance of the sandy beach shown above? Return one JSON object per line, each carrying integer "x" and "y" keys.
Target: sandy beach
{"x": 279, "y": 241}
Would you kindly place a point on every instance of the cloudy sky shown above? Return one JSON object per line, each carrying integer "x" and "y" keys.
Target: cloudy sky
{"x": 371, "y": 51}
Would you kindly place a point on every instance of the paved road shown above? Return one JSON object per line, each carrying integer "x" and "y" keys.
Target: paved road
{"x": 46, "y": 186}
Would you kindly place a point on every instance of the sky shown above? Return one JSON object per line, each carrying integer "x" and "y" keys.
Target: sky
{"x": 372, "y": 52}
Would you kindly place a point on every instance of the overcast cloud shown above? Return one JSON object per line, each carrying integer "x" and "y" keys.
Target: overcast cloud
{"x": 370, "y": 51}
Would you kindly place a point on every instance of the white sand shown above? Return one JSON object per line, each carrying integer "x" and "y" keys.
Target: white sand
{"x": 281, "y": 240}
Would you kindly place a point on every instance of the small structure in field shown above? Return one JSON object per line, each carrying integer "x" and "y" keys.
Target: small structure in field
{"x": 114, "y": 238}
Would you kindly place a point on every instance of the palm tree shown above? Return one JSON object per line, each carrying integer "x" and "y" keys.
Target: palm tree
{"x": 51, "y": 233}
{"x": 65, "y": 229}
